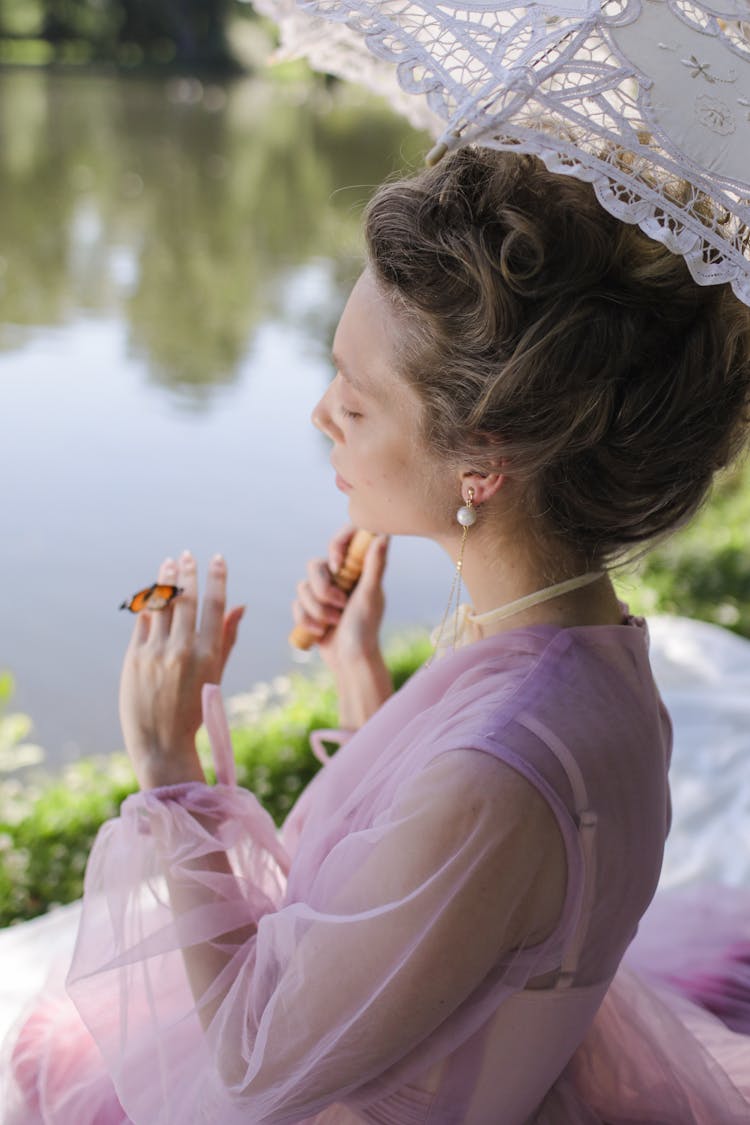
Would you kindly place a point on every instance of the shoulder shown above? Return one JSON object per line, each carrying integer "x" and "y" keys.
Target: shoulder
{"x": 466, "y": 791}
{"x": 582, "y": 681}
{"x": 472, "y": 815}
{"x": 480, "y": 779}
{"x": 520, "y": 853}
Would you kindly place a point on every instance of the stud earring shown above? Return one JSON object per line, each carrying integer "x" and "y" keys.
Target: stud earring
{"x": 467, "y": 517}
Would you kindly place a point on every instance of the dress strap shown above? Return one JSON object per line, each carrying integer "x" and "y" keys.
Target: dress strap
{"x": 586, "y": 820}
{"x": 318, "y": 738}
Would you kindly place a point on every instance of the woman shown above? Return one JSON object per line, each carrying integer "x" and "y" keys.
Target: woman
{"x": 437, "y": 933}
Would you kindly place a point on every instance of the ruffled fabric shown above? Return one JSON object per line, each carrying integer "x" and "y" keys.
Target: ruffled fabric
{"x": 371, "y": 962}
{"x": 304, "y": 1003}
{"x": 652, "y": 1056}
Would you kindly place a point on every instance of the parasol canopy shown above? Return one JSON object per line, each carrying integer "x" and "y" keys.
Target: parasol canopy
{"x": 648, "y": 100}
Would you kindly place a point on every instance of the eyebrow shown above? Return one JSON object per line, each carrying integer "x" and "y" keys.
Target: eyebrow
{"x": 344, "y": 370}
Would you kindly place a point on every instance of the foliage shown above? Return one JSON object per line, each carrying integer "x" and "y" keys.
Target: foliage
{"x": 47, "y": 826}
{"x": 129, "y": 32}
{"x": 702, "y": 571}
{"x": 183, "y": 205}
{"x": 15, "y": 751}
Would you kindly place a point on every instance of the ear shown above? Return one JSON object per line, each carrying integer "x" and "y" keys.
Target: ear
{"x": 485, "y": 485}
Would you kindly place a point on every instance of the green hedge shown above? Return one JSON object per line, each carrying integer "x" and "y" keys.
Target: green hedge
{"x": 702, "y": 571}
{"x": 47, "y": 825}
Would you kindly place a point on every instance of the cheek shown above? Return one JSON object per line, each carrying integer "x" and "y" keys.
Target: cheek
{"x": 410, "y": 481}
{"x": 393, "y": 470}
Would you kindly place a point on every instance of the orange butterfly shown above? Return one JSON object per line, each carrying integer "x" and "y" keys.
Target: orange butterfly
{"x": 153, "y": 597}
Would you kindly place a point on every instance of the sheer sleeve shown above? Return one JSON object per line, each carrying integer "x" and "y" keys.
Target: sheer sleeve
{"x": 326, "y": 998}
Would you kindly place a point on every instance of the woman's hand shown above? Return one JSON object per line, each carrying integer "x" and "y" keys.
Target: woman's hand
{"x": 348, "y": 626}
{"x": 168, "y": 660}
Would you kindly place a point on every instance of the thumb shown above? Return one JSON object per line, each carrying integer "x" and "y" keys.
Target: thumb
{"x": 229, "y": 632}
{"x": 374, "y": 565}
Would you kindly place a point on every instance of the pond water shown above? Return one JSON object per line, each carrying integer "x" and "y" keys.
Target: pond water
{"x": 173, "y": 259}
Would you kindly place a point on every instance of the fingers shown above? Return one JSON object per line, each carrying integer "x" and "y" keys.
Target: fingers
{"x": 176, "y": 623}
{"x": 185, "y": 610}
{"x": 229, "y": 635}
{"x": 141, "y": 630}
{"x": 214, "y": 602}
{"x": 374, "y": 565}
{"x": 309, "y": 624}
{"x": 319, "y": 596}
{"x": 319, "y": 603}
{"x": 160, "y": 622}
{"x": 338, "y": 546}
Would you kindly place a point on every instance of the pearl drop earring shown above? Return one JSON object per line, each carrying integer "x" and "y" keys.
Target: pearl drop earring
{"x": 467, "y": 514}
{"x": 467, "y": 517}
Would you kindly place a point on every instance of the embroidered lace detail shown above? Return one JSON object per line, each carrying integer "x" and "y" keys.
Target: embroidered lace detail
{"x": 648, "y": 100}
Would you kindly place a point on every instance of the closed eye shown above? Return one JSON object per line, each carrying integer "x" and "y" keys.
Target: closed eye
{"x": 350, "y": 413}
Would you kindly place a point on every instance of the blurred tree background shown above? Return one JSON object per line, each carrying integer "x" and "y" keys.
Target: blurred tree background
{"x": 189, "y": 34}
{"x": 151, "y": 195}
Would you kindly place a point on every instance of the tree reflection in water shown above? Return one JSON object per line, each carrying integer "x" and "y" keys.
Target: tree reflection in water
{"x": 180, "y": 206}
{"x": 173, "y": 259}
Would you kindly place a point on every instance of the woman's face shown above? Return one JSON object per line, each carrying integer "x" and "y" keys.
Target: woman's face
{"x": 395, "y": 484}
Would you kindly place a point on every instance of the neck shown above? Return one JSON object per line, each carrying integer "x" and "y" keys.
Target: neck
{"x": 498, "y": 570}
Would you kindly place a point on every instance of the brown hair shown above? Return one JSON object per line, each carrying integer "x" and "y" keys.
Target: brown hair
{"x": 541, "y": 330}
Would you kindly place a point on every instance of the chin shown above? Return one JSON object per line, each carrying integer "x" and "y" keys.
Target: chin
{"x": 360, "y": 517}
{"x": 378, "y": 524}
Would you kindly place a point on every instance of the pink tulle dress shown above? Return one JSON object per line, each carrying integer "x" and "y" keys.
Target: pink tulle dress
{"x": 442, "y": 932}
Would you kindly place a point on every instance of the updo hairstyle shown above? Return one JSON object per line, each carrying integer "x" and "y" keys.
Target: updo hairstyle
{"x": 540, "y": 330}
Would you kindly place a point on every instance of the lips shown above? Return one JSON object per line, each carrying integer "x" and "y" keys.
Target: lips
{"x": 340, "y": 482}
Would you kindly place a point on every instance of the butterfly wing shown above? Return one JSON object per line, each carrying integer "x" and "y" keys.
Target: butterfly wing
{"x": 155, "y": 597}
{"x": 161, "y": 595}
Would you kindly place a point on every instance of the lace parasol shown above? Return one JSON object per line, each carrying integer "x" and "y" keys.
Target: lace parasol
{"x": 648, "y": 100}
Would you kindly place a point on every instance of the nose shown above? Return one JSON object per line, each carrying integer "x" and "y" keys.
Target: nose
{"x": 322, "y": 420}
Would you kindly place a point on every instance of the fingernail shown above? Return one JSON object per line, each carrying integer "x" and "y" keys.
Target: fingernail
{"x": 169, "y": 566}
{"x": 217, "y": 562}
{"x": 186, "y": 554}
